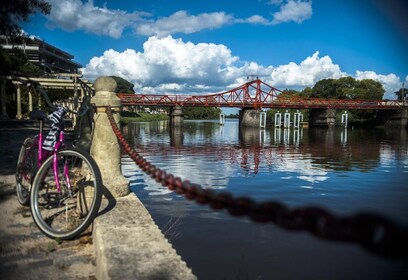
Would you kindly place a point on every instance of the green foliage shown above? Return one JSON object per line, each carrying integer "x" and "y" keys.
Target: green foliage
{"x": 123, "y": 86}
{"x": 201, "y": 112}
{"x": 402, "y": 94}
{"x": 346, "y": 88}
{"x": 128, "y": 117}
{"x": 13, "y": 12}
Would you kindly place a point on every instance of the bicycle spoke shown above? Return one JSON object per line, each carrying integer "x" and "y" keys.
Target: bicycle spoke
{"x": 68, "y": 212}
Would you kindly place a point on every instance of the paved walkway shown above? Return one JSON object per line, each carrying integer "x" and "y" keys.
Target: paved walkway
{"x": 125, "y": 243}
{"x": 25, "y": 253}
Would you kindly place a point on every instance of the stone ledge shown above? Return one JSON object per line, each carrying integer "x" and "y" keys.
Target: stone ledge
{"x": 129, "y": 245}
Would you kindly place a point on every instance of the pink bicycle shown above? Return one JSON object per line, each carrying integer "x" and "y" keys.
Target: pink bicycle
{"x": 62, "y": 185}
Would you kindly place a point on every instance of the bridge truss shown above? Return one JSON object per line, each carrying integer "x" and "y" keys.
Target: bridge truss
{"x": 257, "y": 95}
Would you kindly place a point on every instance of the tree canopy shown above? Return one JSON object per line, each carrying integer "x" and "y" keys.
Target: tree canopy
{"x": 13, "y": 12}
{"x": 402, "y": 94}
{"x": 201, "y": 112}
{"x": 123, "y": 86}
{"x": 347, "y": 88}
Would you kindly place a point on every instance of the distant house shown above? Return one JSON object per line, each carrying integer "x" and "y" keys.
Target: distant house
{"x": 48, "y": 57}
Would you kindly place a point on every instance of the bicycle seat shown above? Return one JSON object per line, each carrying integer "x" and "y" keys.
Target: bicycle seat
{"x": 37, "y": 115}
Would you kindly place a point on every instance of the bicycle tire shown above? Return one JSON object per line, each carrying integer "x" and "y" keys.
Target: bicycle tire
{"x": 66, "y": 214}
{"x": 26, "y": 169}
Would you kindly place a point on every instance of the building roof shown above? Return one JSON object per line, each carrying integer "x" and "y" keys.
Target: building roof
{"x": 43, "y": 54}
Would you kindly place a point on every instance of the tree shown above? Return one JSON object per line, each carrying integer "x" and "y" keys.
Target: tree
{"x": 347, "y": 88}
{"x": 402, "y": 94}
{"x": 13, "y": 12}
{"x": 123, "y": 86}
{"x": 201, "y": 112}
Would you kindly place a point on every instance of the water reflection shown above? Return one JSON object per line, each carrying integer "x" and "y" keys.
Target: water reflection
{"x": 251, "y": 148}
{"x": 342, "y": 170}
{"x": 176, "y": 136}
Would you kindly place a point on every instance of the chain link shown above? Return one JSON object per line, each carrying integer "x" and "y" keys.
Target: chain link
{"x": 375, "y": 233}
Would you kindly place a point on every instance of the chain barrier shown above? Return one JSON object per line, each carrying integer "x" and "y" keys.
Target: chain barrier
{"x": 375, "y": 233}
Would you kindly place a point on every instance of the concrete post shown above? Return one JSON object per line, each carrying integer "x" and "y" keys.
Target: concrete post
{"x": 176, "y": 116}
{"x": 30, "y": 100}
{"x": 105, "y": 148}
{"x": 4, "y": 115}
{"x": 19, "y": 114}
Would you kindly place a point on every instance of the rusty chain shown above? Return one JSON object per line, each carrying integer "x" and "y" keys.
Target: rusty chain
{"x": 373, "y": 232}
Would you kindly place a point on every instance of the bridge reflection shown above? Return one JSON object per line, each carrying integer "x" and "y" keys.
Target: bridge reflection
{"x": 328, "y": 149}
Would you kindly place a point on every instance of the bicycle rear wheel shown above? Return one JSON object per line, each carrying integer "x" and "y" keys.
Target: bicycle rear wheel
{"x": 26, "y": 169}
{"x": 65, "y": 214}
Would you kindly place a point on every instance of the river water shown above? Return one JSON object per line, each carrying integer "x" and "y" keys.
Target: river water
{"x": 344, "y": 171}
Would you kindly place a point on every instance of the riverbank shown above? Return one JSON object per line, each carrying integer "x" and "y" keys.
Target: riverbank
{"x": 128, "y": 117}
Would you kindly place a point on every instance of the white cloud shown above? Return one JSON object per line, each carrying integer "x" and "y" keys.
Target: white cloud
{"x": 165, "y": 61}
{"x": 390, "y": 82}
{"x": 169, "y": 65}
{"x": 71, "y": 15}
{"x": 307, "y": 73}
{"x": 296, "y": 11}
{"x": 182, "y": 22}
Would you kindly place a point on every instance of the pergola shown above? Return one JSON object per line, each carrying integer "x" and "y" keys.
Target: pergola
{"x": 54, "y": 81}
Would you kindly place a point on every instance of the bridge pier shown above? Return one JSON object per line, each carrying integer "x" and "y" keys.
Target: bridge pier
{"x": 393, "y": 118}
{"x": 251, "y": 117}
{"x": 176, "y": 116}
{"x": 322, "y": 117}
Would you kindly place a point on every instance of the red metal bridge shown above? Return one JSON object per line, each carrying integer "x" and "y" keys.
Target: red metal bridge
{"x": 255, "y": 94}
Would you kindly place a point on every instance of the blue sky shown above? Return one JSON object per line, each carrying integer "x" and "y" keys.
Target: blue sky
{"x": 209, "y": 46}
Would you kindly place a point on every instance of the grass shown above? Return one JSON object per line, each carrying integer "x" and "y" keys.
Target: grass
{"x": 128, "y": 117}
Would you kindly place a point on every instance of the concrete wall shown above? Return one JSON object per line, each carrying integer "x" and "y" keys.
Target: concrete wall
{"x": 249, "y": 117}
{"x": 322, "y": 117}
{"x": 393, "y": 118}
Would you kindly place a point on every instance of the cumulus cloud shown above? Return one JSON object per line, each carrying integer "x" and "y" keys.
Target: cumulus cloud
{"x": 182, "y": 22}
{"x": 292, "y": 10}
{"x": 165, "y": 61}
{"x": 169, "y": 65}
{"x": 71, "y": 15}
{"x": 307, "y": 73}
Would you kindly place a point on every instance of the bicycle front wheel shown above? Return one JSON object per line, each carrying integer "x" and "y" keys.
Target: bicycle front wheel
{"x": 67, "y": 211}
{"x": 26, "y": 169}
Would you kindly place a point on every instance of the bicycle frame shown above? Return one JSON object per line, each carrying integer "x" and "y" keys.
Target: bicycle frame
{"x": 43, "y": 155}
